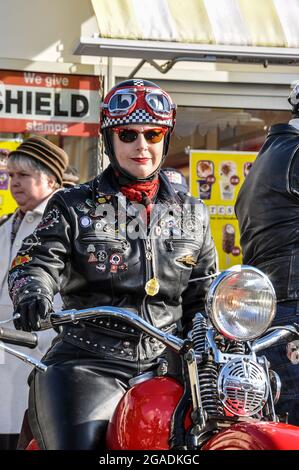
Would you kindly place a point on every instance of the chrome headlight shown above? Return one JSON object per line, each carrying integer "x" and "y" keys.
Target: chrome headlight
{"x": 241, "y": 303}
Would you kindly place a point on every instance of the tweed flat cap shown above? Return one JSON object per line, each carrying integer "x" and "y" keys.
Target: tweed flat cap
{"x": 52, "y": 156}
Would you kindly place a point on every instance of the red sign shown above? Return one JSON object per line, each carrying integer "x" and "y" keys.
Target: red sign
{"x": 32, "y": 102}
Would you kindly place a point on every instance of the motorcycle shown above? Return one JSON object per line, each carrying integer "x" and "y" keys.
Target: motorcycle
{"x": 225, "y": 399}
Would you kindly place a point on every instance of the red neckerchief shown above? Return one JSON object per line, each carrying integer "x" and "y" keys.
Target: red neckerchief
{"x": 143, "y": 192}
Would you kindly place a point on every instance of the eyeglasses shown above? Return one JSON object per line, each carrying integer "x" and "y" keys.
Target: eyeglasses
{"x": 153, "y": 136}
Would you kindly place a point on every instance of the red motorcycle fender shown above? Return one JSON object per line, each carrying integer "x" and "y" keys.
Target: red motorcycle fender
{"x": 142, "y": 418}
{"x": 256, "y": 436}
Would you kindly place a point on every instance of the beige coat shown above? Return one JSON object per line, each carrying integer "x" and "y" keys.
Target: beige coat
{"x": 13, "y": 372}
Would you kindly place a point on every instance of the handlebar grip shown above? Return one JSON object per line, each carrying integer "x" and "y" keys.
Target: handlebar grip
{"x": 20, "y": 338}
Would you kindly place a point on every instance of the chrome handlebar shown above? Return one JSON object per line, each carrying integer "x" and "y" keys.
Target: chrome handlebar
{"x": 272, "y": 337}
{"x": 71, "y": 316}
{"x": 175, "y": 343}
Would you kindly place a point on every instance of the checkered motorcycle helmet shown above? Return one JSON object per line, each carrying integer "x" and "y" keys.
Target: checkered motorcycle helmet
{"x": 137, "y": 101}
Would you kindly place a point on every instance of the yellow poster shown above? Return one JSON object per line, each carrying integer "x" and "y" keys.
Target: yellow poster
{"x": 216, "y": 177}
{"x": 7, "y": 203}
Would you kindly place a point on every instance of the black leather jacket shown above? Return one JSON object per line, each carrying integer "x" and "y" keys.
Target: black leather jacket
{"x": 100, "y": 260}
{"x": 267, "y": 209}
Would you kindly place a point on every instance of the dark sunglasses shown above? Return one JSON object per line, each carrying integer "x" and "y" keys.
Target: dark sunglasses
{"x": 153, "y": 136}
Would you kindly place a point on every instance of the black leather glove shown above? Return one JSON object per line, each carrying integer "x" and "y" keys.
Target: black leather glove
{"x": 31, "y": 312}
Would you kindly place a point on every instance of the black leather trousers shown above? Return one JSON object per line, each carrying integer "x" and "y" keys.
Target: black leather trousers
{"x": 71, "y": 403}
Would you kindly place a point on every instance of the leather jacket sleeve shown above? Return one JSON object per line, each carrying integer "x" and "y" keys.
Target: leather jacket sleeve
{"x": 40, "y": 261}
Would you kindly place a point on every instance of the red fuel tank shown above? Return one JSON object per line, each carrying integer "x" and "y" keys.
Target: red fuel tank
{"x": 143, "y": 416}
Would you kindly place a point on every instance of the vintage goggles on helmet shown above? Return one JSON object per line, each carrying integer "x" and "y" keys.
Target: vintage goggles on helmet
{"x": 124, "y": 101}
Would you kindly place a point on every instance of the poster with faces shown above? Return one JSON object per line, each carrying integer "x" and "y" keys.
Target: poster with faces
{"x": 216, "y": 177}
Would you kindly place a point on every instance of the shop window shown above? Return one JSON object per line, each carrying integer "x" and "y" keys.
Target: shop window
{"x": 219, "y": 129}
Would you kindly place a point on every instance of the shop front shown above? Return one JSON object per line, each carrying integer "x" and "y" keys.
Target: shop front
{"x": 215, "y": 146}
{"x": 63, "y": 107}
{"x": 229, "y": 65}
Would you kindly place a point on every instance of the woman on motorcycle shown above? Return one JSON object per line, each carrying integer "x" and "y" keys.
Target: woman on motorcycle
{"x": 125, "y": 239}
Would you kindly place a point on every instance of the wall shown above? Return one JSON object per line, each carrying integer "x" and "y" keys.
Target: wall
{"x": 41, "y": 35}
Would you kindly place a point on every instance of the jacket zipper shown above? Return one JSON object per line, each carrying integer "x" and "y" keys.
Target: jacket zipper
{"x": 171, "y": 242}
{"x": 148, "y": 274}
{"x": 149, "y": 270}
{"x": 123, "y": 243}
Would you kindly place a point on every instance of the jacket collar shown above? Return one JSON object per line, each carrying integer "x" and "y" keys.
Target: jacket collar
{"x": 283, "y": 129}
{"x": 106, "y": 184}
{"x": 166, "y": 190}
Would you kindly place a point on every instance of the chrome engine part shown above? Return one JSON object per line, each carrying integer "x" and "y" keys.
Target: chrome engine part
{"x": 243, "y": 387}
{"x": 207, "y": 372}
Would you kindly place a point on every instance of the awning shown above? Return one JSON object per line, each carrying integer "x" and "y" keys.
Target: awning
{"x": 251, "y": 31}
